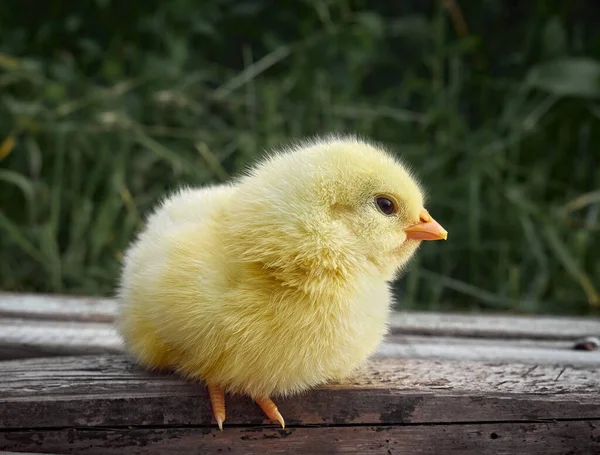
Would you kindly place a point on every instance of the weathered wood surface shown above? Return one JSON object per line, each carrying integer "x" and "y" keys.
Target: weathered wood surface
{"x": 38, "y": 306}
{"x": 37, "y": 326}
{"x": 548, "y": 438}
{"x": 57, "y": 307}
{"x": 26, "y": 339}
{"x": 22, "y": 338}
{"x": 106, "y": 404}
{"x": 25, "y": 453}
{"x": 486, "y": 350}
{"x": 438, "y": 384}
{"x": 430, "y": 391}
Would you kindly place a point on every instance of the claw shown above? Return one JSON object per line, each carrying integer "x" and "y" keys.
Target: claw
{"x": 270, "y": 409}
{"x": 217, "y": 400}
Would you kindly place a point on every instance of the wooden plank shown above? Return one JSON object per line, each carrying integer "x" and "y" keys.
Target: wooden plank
{"x": 486, "y": 326}
{"x": 27, "y": 453}
{"x": 547, "y": 438}
{"x": 487, "y": 350}
{"x": 57, "y": 307}
{"x": 35, "y": 326}
{"x": 111, "y": 391}
{"x": 24, "y": 338}
{"x": 40, "y": 306}
{"x": 105, "y": 404}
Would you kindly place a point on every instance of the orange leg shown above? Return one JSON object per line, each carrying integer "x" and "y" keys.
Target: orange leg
{"x": 217, "y": 400}
{"x": 271, "y": 410}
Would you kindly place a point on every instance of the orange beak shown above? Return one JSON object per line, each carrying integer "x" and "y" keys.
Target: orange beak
{"x": 426, "y": 229}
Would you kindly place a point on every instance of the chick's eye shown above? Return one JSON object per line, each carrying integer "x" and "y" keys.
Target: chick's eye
{"x": 386, "y": 206}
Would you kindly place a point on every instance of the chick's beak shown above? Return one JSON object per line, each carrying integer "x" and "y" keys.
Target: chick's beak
{"x": 426, "y": 229}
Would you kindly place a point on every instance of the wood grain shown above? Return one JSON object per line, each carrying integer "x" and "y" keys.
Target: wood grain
{"x": 486, "y": 350}
{"x": 439, "y": 384}
{"x": 548, "y": 438}
{"x": 111, "y": 391}
{"x": 26, "y": 453}
{"x": 57, "y": 307}
{"x": 40, "y": 306}
{"x": 107, "y": 405}
{"x": 487, "y": 326}
{"x": 39, "y": 326}
{"x": 24, "y": 338}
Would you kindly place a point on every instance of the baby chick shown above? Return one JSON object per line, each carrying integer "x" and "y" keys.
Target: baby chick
{"x": 279, "y": 281}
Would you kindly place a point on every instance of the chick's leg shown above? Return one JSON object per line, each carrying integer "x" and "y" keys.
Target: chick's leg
{"x": 269, "y": 408}
{"x": 217, "y": 400}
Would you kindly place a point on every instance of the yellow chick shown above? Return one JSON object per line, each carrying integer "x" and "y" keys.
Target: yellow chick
{"x": 279, "y": 281}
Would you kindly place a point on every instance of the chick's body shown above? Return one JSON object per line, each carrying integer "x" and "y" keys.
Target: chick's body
{"x": 190, "y": 307}
{"x": 277, "y": 282}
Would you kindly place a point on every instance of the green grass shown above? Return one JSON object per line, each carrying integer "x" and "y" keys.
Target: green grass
{"x": 113, "y": 105}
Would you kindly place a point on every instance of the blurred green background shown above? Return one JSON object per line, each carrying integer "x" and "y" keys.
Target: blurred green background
{"x": 496, "y": 104}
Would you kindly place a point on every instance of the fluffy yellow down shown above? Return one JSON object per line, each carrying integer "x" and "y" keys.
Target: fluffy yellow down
{"x": 278, "y": 281}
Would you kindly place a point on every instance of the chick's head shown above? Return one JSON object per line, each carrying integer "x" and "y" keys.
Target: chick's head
{"x": 337, "y": 206}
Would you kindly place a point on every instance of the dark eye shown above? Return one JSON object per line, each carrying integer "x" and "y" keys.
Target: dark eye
{"x": 385, "y": 205}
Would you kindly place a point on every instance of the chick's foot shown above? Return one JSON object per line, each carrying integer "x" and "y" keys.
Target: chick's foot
{"x": 217, "y": 400}
{"x": 269, "y": 408}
